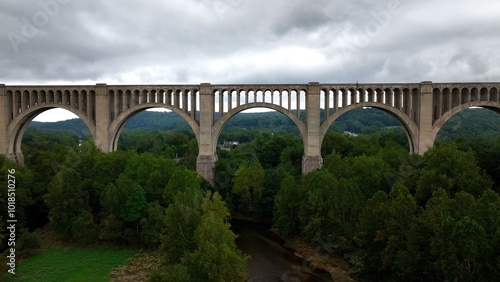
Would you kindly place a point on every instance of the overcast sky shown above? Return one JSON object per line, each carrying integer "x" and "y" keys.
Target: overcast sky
{"x": 248, "y": 41}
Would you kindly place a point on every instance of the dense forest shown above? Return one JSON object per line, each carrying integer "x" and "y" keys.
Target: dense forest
{"x": 393, "y": 216}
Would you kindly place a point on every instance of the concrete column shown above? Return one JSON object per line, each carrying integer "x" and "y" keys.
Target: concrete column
{"x": 312, "y": 148}
{"x": 425, "y": 135}
{"x": 90, "y": 105}
{"x": 335, "y": 94}
{"x": 102, "y": 118}
{"x": 327, "y": 104}
{"x": 205, "y": 163}
{"x": 289, "y": 99}
{"x": 194, "y": 103}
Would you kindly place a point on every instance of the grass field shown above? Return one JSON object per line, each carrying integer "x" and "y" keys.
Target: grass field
{"x": 70, "y": 264}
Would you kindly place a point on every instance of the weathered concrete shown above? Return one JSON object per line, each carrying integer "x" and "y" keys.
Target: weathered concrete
{"x": 422, "y": 108}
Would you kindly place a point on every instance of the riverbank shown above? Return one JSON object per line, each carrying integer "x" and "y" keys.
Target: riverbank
{"x": 338, "y": 268}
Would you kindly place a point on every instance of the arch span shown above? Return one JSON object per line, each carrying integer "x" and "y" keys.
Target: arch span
{"x": 18, "y": 125}
{"x": 219, "y": 124}
{"x": 116, "y": 126}
{"x": 439, "y": 123}
{"x": 409, "y": 125}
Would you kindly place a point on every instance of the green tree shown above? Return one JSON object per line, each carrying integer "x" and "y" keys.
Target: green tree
{"x": 249, "y": 184}
{"x": 66, "y": 200}
{"x": 84, "y": 230}
{"x": 152, "y": 225}
{"x": 346, "y": 206}
{"x": 401, "y": 212}
{"x": 286, "y": 207}
{"x": 13, "y": 175}
{"x": 453, "y": 170}
{"x": 316, "y": 188}
{"x": 182, "y": 179}
{"x": 171, "y": 273}
{"x": 370, "y": 173}
{"x": 458, "y": 246}
{"x": 135, "y": 207}
{"x": 216, "y": 257}
{"x": 182, "y": 217}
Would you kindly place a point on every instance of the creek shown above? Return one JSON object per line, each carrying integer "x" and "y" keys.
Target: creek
{"x": 270, "y": 260}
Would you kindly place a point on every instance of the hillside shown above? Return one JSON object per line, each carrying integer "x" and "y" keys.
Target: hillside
{"x": 470, "y": 123}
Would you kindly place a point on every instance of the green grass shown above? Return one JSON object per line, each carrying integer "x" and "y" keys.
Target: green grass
{"x": 71, "y": 264}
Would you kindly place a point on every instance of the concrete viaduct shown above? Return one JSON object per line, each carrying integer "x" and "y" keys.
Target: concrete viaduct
{"x": 422, "y": 108}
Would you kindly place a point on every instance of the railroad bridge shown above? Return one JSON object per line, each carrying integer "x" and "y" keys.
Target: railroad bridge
{"x": 422, "y": 108}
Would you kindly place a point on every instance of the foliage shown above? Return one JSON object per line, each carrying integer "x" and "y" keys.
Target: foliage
{"x": 198, "y": 237}
{"x": 286, "y": 207}
{"x": 216, "y": 257}
{"x": 22, "y": 180}
{"x": 446, "y": 167}
{"x": 249, "y": 184}
{"x": 397, "y": 217}
{"x": 116, "y": 197}
{"x": 28, "y": 241}
{"x": 66, "y": 199}
{"x": 171, "y": 273}
{"x": 182, "y": 217}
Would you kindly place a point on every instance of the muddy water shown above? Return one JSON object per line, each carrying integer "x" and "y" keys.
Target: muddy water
{"x": 270, "y": 260}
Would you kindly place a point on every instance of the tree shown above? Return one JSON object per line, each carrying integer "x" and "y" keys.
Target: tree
{"x": 66, "y": 200}
{"x": 401, "y": 212}
{"x": 286, "y": 207}
{"x": 347, "y": 204}
{"x": 152, "y": 225}
{"x": 84, "y": 230}
{"x": 316, "y": 190}
{"x": 367, "y": 258}
{"x": 135, "y": 207}
{"x": 171, "y": 273}
{"x": 182, "y": 217}
{"x": 249, "y": 184}
{"x": 458, "y": 246}
{"x": 370, "y": 173}
{"x": 216, "y": 257}
{"x": 13, "y": 175}
{"x": 453, "y": 170}
{"x": 182, "y": 179}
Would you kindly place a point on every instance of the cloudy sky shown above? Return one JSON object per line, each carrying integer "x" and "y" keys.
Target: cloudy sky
{"x": 248, "y": 41}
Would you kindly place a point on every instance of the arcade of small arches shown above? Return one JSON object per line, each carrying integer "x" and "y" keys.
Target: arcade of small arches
{"x": 422, "y": 108}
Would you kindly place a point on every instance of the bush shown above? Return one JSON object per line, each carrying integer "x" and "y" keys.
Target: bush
{"x": 28, "y": 241}
{"x": 171, "y": 273}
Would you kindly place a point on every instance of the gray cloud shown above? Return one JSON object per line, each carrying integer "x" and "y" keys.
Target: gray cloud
{"x": 243, "y": 41}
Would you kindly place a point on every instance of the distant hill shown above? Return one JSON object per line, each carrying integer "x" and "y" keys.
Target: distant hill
{"x": 76, "y": 126}
{"x": 470, "y": 123}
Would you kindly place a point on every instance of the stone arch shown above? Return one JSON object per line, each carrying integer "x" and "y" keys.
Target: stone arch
{"x": 219, "y": 124}
{"x": 409, "y": 125}
{"x": 18, "y": 125}
{"x": 439, "y": 123}
{"x": 116, "y": 126}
